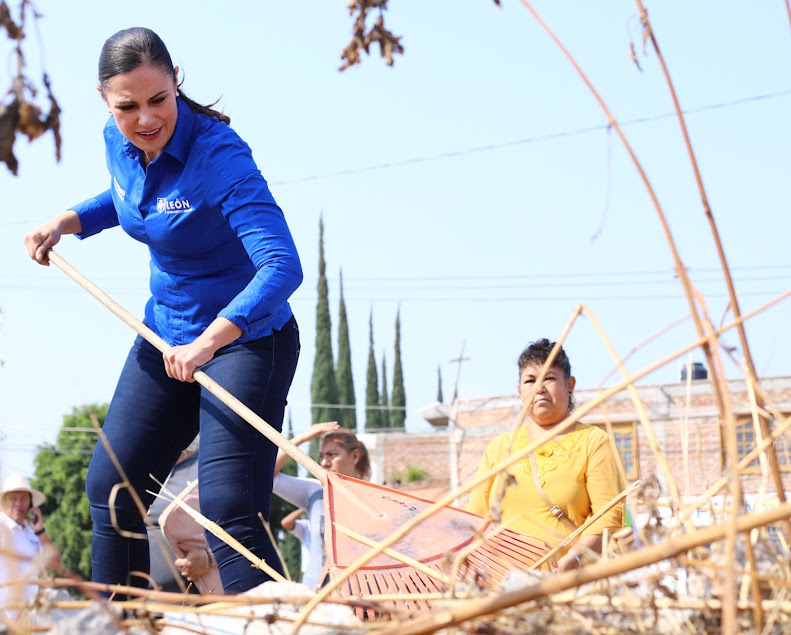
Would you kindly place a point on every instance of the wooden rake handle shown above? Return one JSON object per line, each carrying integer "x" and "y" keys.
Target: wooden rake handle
{"x": 202, "y": 378}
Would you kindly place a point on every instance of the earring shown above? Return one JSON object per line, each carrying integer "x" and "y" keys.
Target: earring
{"x": 178, "y": 93}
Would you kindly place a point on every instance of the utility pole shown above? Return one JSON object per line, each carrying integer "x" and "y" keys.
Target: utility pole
{"x": 454, "y": 454}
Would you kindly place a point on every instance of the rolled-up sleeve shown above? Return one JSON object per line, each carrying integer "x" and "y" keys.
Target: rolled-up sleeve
{"x": 96, "y": 214}
{"x": 242, "y": 194}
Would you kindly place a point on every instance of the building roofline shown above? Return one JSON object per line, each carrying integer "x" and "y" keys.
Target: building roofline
{"x": 648, "y": 392}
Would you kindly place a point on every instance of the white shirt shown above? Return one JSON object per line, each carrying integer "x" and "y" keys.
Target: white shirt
{"x": 23, "y": 541}
{"x": 302, "y": 532}
{"x": 308, "y": 494}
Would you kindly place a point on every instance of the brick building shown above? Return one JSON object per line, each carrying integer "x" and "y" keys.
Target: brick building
{"x": 683, "y": 416}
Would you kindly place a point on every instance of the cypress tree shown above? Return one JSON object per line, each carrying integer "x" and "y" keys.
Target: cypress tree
{"x": 323, "y": 386}
{"x": 384, "y": 419}
{"x": 398, "y": 396}
{"x": 439, "y": 384}
{"x": 372, "y": 415}
{"x": 344, "y": 370}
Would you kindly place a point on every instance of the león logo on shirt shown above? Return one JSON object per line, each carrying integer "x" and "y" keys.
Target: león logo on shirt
{"x": 176, "y": 206}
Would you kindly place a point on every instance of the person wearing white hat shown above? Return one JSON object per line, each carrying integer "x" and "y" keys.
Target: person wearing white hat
{"x": 26, "y": 548}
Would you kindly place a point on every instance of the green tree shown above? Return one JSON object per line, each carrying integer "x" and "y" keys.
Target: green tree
{"x": 372, "y": 413}
{"x": 439, "y": 384}
{"x": 344, "y": 369}
{"x": 323, "y": 386}
{"x": 398, "y": 396}
{"x": 60, "y": 472}
{"x": 384, "y": 419}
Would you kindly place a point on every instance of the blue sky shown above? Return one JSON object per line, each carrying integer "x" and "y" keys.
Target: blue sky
{"x": 474, "y": 185}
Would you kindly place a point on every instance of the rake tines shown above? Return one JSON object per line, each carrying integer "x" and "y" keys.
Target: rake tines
{"x": 398, "y": 590}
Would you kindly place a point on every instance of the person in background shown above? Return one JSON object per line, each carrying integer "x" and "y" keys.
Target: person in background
{"x": 223, "y": 266}
{"x": 195, "y": 559}
{"x": 25, "y": 548}
{"x": 339, "y": 451}
{"x": 575, "y": 472}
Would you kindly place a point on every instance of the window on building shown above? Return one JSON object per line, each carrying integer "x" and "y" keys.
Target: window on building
{"x": 626, "y": 439}
{"x": 747, "y": 439}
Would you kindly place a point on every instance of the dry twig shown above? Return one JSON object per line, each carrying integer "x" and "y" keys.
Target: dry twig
{"x": 363, "y": 36}
{"x": 19, "y": 112}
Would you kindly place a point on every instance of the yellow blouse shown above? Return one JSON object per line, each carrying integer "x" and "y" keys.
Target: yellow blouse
{"x": 578, "y": 473}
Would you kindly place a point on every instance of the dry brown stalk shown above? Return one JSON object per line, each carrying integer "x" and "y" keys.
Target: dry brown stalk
{"x": 134, "y": 496}
{"x": 687, "y": 510}
{"x": 531, "y": 395}
{"x": 280, "y": 557}
{"x": 652, "y": 554}
{"x": 223, "y": 535}
{"x": 703, "y": 326}
{"x": 680, "y": 268}
{"x": 593, "y": 518}
{"x": 539, "y": 380}
{"x": 410, "y": 562}
{"x": 645, "y": 342}
{"x": 707, "y": 564}
{"x": 460, "y": 557}
{"x": 92, "y": 587}
{"x": 563, "y": 426}
{"x": 734, "y": 300}
{"x": 680, "y": 604}
{"x": 728, "y": 427}
{"x": 734, "y": 304}
{"x": 670, "y": 478}
{"x": 613, "y": 444}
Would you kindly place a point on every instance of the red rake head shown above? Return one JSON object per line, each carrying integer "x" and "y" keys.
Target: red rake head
{"x": 375, "y": 512}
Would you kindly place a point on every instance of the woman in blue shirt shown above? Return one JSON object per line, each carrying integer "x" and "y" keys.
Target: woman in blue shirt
{"x": 223, "y": 265}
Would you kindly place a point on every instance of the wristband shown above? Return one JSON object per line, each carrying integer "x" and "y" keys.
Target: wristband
{"x": 40, "y": 531}
{"x": 576, "y": 557}
{"x": 210, "y": 559}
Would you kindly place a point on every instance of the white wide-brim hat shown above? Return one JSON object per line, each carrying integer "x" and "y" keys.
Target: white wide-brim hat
{"x": 18, "y": 483}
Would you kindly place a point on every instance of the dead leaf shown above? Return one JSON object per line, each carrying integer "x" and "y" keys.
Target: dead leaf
{"x": 14, "y": 31}
{"x": 9, "y": 118}
{"x": 389, "y": 44}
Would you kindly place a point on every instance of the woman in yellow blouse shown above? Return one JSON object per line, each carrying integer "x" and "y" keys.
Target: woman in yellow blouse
{"x": 577, "y": 470}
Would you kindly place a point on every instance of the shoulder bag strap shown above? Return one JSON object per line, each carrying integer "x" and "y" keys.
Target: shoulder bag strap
{"x": 556, "y": 511}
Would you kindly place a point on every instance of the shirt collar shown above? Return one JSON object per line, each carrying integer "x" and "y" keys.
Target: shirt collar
{"x": 178, "y": 146}
{"x": 10, "y": 522}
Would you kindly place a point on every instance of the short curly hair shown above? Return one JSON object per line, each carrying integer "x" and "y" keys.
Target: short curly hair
{"x": 538, "y": 352}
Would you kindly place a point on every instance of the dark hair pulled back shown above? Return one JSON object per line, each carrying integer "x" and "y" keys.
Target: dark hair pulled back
{"x": 128, "y": 49}
{"x": 537, "y": 353}
{"x": 348, "y": 441}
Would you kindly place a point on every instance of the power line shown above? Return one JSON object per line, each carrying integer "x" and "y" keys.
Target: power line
{"x": 465, "y": 278}
{"x": 526, "y": 140}
{"x": 491, "y": 147}
{"x": 464, "y": 281}
{"x": 435, "y": 298}
{"x": 532, "y": 298}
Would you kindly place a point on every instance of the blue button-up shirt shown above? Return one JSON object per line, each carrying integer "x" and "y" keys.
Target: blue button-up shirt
{"x": 219, "y": 243}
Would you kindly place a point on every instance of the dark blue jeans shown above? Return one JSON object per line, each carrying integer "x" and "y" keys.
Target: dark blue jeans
{"x": 152, "y": 418}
